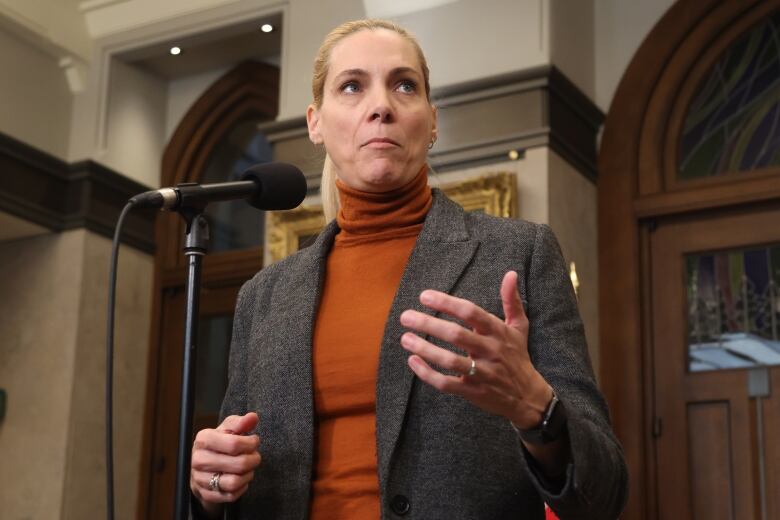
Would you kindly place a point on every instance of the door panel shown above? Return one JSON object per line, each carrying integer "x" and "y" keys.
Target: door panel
{"x": 708, "y": 451}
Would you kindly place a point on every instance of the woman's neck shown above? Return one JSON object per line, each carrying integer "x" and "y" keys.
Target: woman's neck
{"x": 366, "y": 215}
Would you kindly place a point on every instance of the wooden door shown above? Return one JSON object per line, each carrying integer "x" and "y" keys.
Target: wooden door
{"x": 214, "y": 328}
{"x": 716, "y": 425}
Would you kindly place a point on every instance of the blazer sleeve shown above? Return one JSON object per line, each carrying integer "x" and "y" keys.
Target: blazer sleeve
{"x": 596, "y": 481}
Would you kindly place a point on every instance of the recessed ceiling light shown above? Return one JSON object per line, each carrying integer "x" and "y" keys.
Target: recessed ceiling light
{"x": 175, "y": 51}
{"x": 267, "y": 27}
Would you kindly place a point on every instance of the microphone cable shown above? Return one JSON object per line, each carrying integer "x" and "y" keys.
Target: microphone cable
{"x": 110, "y": 362}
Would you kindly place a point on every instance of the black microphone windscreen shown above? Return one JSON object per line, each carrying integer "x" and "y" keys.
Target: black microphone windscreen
{"x": 282, "y": 186}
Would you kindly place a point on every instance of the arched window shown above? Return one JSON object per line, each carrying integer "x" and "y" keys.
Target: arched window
{"x": 733, "y": 122}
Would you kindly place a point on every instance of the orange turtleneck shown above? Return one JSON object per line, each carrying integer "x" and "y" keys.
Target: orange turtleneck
{"x": 364, "y": 268}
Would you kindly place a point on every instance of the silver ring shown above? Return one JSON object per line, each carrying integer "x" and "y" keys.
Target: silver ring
{"x": 214, "y": 482}
{"x": 473, "y": 369}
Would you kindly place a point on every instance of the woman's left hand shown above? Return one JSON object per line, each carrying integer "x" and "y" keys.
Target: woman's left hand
{"x": 506, "y": 382}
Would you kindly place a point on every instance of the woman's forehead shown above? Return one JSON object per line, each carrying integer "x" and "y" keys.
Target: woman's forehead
{"x": 370, "y": 49}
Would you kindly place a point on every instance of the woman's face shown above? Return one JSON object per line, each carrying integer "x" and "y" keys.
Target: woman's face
{"x": 375, "y": 120}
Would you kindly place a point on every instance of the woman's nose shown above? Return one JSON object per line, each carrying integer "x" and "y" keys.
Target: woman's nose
{"x": 382, "y": 109}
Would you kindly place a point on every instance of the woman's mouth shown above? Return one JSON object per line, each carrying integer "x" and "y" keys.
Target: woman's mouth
{"x": 380, "y": 143}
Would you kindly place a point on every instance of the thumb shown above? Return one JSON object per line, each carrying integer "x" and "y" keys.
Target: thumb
{"x": 510, "y": 298}
{"x": 239, "y": 424}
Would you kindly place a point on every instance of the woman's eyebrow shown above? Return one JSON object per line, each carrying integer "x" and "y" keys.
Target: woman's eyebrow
{"x": 362, "y": 73}
{"x": 403, "y": 70}
{"x": 351, "y": 73}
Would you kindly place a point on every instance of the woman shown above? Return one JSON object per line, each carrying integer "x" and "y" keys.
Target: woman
{"x": 394, "y": 366}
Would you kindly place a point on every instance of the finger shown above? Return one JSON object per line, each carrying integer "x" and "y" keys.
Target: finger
{"x": 435, "y": 355}
{"x": 514, "y": 311}
{"x": 226, "y": 443}
{"x": 228, "y": 482}
{"x": 217, "y": 497}
{"x": 448, "y": 331}
{"x": 470, "y": 313}
{"x": 213, "y": 462}
{"x": 441, "y": 382}
{"x": 239, "y": 423}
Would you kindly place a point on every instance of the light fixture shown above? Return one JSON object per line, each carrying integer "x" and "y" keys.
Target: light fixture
{"x": 175, "y": 51}
{"x": 513, "y": 155}
{"x": 267, "y": 27}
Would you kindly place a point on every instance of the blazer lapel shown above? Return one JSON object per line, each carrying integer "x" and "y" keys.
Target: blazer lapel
{"x": 442, "y": 252}
{"x": 288, "y": 364}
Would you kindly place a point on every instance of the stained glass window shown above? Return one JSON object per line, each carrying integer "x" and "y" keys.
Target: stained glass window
{"x": 734, "y": 308}
{"x": 733, "y": 122}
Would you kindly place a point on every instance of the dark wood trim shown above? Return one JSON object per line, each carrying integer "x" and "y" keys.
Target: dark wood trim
{"x": 520, "y": 110}
{"x": 639, "y": 130}
{"x": 765, "y": 187}
{"x": 48, "y": 191}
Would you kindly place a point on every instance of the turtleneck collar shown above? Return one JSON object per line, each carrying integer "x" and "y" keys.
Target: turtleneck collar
{"x": 366, "y": 216}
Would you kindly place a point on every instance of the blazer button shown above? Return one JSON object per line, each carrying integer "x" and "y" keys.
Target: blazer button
{"x": 400, "y": 505}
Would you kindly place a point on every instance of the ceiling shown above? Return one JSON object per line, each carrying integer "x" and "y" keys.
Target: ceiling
{"x": 210, "y": 50}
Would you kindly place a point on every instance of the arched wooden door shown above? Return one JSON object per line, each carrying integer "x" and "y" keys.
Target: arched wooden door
{"x": 215, "y": 141}
{"x": 689, "y": 244}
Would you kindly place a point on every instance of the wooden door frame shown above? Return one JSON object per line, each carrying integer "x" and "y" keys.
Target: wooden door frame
{"x": 636, "y": 164}
{"x": 251, "y": 89}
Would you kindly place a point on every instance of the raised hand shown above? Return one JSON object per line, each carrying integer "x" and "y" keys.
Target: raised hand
{"x": 503, "y": 380}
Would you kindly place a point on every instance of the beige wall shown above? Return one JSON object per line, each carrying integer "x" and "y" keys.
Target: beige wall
{"x": 53, "y": 358}
{"x": 57, "y": 25}
{"x": 472, "y": 39}
{"x": 35, "y": 102}
{"x": 620, "y": 27}
{"x": 182, "y": 93}
{"x": 136, "y": 123}
{"x": 572, "y": 202}
{"x": 571, "y": 42}
{"x": 39, "y": 332}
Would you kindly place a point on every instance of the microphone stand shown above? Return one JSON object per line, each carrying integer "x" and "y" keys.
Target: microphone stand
{"x": 195, "y": 248}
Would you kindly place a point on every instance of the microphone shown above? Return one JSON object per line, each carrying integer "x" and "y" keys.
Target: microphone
{"x": 271, "y": 186}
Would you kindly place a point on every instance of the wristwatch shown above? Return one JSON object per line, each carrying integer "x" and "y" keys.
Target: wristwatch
{"x": 552, "y": 427}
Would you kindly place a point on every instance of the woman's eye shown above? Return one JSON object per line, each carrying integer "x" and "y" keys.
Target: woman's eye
{"x": 350, "y": 87}
{"x": 407, "y": 86}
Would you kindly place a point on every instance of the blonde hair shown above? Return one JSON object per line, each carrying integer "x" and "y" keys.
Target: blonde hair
{"x": 330, "y": 199}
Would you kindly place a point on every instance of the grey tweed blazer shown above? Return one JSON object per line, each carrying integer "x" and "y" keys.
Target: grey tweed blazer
{"x": 439, "y": 456}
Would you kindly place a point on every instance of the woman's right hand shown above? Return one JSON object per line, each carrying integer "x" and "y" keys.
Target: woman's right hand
{"x": 225, "y": 451}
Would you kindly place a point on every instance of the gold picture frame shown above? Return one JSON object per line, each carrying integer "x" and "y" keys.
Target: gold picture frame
{"x": 493, "y": 194}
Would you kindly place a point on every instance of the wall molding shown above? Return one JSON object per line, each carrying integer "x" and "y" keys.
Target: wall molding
{"x": 58, "y": 195}
{"x": 480, "y": 122}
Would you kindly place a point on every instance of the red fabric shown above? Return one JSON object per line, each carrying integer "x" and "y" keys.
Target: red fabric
{"x": 548, "y": 514}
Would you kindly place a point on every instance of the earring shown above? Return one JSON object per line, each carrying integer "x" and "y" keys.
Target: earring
{"x": 433, "y": 141}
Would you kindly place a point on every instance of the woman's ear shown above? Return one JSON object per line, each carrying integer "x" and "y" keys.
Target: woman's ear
{"x": 313, "y": 123}
{"x": 435, "y": 128}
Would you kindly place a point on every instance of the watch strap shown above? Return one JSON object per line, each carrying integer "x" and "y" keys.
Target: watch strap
{"x": 552, "y": 426}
